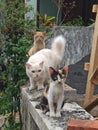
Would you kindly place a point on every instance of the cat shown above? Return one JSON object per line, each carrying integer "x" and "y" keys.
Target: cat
{"x": 37, "y": 66}
{"x": 39, "y": 42}
{"x": 56, "y": 92}
{"x": 51, "y": 92}
{"x": 43, "y": 104}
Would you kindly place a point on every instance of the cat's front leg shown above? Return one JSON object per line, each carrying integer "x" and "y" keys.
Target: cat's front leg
{"x": 51, "y": 108}
{"x": 58, "y": 114}
{"x": 59, "y": 105}
{"x": 52, "y": 113}
{"x": 32, "y": 85}
{"x": 40, "y": 85}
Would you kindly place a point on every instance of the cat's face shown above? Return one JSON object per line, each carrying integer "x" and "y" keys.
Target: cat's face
{"x": 35, "y": 70}
{"x": 39, "y": 36}
{"x": 57, "y": 76}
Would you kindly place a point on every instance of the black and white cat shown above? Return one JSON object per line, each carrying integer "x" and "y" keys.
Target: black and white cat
{"x": 53, "y": 99}
{"x": 55, "y": 93}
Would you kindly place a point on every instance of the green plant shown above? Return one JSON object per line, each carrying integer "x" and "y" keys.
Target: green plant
{"x": 17, "y": 38}
{"x": 91, "y": 22}
{"x": 75, "y": 22}
{"x": 46, "y": 22}
{"x": 1, "y": 22}
{"x": 66, "y": 6}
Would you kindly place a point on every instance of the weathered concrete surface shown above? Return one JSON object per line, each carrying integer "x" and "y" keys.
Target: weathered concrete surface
{"x": 36, "y": 94}
{"x": 70, "y": 110}
{"x": 34, "y": 119}
{"x": 78, "y": 42}
{"x": 2, "y": 121}
{"x": 69, "y": 93}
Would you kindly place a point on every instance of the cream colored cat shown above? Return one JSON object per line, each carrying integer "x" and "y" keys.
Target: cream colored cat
{"x": 37, "y": 66}
{"x": 38, "y": 42}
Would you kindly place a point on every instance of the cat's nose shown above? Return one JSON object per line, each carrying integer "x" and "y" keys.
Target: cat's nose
{"x": 59, "y": 82}
{"x": 37, "y": 75}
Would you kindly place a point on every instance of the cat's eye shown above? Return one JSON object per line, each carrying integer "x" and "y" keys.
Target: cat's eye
{"x": 36, "y": 37}
{"x": 41, "y": 37}
{"x": 55, "y": 78}
{"x": 33, "y": 71}
{"x": 39, "y": 70}
{"x": 61, "y": 76}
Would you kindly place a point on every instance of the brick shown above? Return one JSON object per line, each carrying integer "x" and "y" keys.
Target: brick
{"x": 78, "y": 124}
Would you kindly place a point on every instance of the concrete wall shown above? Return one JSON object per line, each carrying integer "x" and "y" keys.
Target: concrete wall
{"x": 35, "y": 119}
{"x": 33, "y": 12}
{"x": 78, "y": 42}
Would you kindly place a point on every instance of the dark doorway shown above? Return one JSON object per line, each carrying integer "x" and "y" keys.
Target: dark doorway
{"x": 82, "y": 8}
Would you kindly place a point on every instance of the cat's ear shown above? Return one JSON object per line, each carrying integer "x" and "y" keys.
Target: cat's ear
{"x": 41, "y": 63}
{"x": 51, "y": 70}
{"x": 44, "y": 33}
{"x": 28, "y": 65}
{"x": 34, "y": 32}
{"x": 65, "y": 70}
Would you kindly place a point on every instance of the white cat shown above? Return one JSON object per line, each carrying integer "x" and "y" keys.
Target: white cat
{"x": 37, "y": 66}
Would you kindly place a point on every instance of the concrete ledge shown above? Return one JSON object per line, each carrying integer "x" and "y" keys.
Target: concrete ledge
{"x": 2, "y": 121}
{"x": 34, "y": 119}
{"x": 70, "y": 110}
{"x": 69, "y": 93}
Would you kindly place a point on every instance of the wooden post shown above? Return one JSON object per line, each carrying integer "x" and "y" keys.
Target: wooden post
{"x": 94, "y": 77}
{"x": 93, "y": 62}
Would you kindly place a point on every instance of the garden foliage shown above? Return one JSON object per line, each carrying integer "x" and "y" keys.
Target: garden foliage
{"x": 17, "y": 37}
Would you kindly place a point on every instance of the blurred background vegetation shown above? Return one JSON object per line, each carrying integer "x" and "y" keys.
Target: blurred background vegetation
{"x": 15, "y": 38}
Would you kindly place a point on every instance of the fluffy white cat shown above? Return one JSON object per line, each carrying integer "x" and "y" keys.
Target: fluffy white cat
{"x": 37, "y": 66}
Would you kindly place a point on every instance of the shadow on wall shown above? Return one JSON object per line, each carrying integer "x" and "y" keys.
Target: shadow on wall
{"x": 77, "y": 76}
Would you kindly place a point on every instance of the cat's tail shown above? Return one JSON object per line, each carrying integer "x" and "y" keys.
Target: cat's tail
{"x": 58, "y": 45}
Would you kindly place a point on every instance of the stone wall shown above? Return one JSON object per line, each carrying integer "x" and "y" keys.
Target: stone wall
{"x": 78, "y": 42}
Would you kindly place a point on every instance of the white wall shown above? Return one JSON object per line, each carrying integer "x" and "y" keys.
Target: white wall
{"x": 31, "y": 14}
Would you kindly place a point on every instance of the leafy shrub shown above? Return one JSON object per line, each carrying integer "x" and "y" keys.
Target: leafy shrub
{"x": 75, "y": 22}
{"x": 17, "y": 38}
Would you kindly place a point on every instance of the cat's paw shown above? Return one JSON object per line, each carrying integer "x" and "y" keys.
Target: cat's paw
{"x": 47, "y": 113}
{"x": 31, "y": 88}
{"x": 40, "y": 87}
{"x": 58, "y": 114}
{"x": 52, "y": 114}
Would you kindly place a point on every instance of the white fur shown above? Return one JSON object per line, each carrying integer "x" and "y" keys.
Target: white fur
{"x": 57, "y": 42}
{"x": 56, "y": 95}
{"x": 43, "y": 60}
